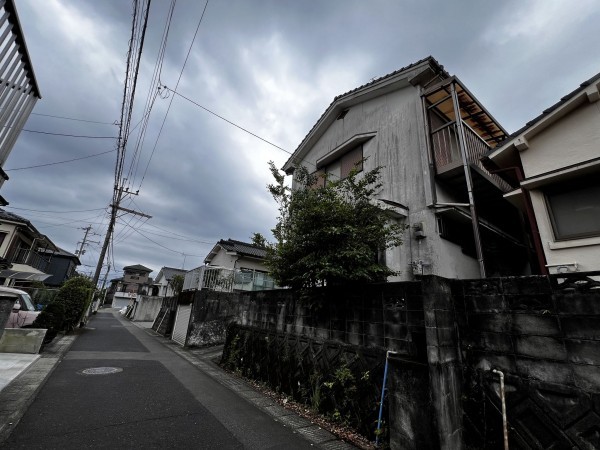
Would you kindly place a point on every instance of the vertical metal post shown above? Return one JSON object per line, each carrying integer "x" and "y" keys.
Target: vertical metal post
{"x": 503, "y": 399}
{"x": 383, "y": 389}
{"x": 469, "y": 181}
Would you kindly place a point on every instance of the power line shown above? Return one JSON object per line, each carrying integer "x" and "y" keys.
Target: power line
{"x": 62, "y": 162}
{"x": 171, "y": 101}
{"x": 69, "y": 135}
{"x": 228, "y": 121}
{"x": 77, "y": 120}
{"x": 56, "y": 212}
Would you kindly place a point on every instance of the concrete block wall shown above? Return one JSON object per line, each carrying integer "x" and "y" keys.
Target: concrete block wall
{"x": 387, "y": 316}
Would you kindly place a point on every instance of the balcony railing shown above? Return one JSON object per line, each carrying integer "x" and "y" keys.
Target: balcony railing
{"x": 31, "y": 258}
{"x": 447, "y": 155}
{"x": 227, "y": 280}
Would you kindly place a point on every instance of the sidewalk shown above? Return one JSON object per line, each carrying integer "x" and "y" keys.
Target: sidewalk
{"x": 22, "y": 376}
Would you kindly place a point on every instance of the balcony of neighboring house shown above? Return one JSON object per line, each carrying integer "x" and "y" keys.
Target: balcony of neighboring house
{"x": 20, "y": 91}
{"x": 474, "y": 134}
{"x": 227, "y": 280}
{"x": 461, "y": 132}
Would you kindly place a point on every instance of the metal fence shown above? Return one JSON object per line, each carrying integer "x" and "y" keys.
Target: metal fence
{"x": 227, "y": 280}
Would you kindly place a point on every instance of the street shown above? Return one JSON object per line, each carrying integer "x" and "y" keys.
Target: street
{"x": 120, "y": 387}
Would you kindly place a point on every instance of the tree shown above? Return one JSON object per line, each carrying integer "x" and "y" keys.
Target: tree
{"x": 258, "y": 240}
{"x": 332, "y": 234}
{"x": 177, "y": 284}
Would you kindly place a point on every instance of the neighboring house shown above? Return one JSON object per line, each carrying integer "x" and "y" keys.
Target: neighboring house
{"x": 61, "y": 267}
{"x": 458, "y": 223}
{"x": 26, "y": 253}
{"x": 135, "y": 281}
{"x": 553, "y": 163}
{"x": 231, "y": 265}
{"x": 162, "y": 283}
{"x": 20, "y": 90}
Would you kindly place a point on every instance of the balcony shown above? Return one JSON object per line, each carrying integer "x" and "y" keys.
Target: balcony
{"x": 227, "y": 280}
{"x": 448, "y": 159}
{"x": 31, "y": 258}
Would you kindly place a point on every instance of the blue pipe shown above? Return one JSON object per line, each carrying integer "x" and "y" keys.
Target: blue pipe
{"x": 383, "y": 389}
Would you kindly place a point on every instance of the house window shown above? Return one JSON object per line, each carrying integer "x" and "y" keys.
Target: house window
{"x": 574, "y": 208}
{"x": 352, "y": 160}
{"x": 320, "y": 178}
{"x": 2, "y": 237}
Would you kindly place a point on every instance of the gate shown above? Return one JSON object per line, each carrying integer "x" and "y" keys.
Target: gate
{"x": 182, "y": 321}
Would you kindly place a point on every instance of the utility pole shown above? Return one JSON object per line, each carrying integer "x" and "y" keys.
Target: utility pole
{"x": 115, "y": 206}
{"x": 83, "y": 243}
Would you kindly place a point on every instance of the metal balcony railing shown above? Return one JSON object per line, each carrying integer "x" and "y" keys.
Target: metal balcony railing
{"x": 447, "y": 155}
{"x": 30, "y": 258}
{"x": 227, "y": 280}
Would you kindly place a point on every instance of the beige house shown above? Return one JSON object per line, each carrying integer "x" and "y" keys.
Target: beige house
{"x": 553, "y": 162}
{"x": 428, "y": 132}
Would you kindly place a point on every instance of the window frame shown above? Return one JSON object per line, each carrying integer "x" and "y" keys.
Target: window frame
{"x": 565, "y": 187}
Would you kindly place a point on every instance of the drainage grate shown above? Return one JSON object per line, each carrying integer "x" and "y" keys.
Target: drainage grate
{"x": 100, "y": 371}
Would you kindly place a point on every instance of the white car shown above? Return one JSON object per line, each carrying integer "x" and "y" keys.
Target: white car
{"x": 23, "y": 312}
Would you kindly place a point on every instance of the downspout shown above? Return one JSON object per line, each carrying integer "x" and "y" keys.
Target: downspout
{"x": 383, "y": 389}
{"x": 503, "y": 399}
{"x": 468, "y": 179}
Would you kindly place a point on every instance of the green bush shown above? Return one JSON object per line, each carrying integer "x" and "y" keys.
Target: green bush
{"x": 52, "y": 318}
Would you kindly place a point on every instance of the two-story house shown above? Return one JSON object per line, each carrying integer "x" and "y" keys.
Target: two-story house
{"x": 25, "y": 253}
{"x": 62, "y": 266}
{"x": 428, "y": 132}
{"x": 231, "y": 265}
{"x": 553, "y": 164}
{"x": 135, "y": 281}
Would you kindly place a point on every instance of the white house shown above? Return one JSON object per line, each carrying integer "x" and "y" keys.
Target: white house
{"x": 162, "y": 283}
{"x": 231, "y": 265}
{"x": 428, "y": 132}
{"x": 553, "y": 163}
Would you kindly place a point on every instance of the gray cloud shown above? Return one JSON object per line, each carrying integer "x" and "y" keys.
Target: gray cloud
{"x": 270, "y": 66}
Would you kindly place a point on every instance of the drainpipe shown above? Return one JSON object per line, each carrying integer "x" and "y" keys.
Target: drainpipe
{"x": 468, "y": 179}
{"x": 502, "y": 397}
{"x": 383, "y": 389}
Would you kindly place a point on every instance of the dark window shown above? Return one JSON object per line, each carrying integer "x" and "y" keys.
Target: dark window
{"x": 574, "y": 208}
{"x": 2, "y": 237}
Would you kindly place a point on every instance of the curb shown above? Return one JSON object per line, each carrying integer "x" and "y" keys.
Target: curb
{"x": 21, "y": 392}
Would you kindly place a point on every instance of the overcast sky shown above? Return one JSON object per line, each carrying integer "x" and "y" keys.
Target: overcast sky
{"x": 271, "y": 67}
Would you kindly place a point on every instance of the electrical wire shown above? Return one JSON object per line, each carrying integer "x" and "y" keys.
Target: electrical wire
{"x": 61, "y": 162}
{"x": 171, "y": 101}
{"x": 72, "y": 118}
{"x": 228, "y": 121}
{"x": 153, "y": 92}
{"x": 69, "y": 135}
{"x": 56, "y": 212}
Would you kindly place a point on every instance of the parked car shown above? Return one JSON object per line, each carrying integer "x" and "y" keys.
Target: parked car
{"x": 23, "y": 312}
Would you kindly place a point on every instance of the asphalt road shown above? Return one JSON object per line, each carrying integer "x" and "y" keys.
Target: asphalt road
{"x": 153, "y": 399}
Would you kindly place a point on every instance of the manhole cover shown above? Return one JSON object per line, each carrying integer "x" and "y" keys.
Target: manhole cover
{"x": 100, "y": 371}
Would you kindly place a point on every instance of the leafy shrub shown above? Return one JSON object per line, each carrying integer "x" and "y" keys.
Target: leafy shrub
{"x": 52, "y": 318}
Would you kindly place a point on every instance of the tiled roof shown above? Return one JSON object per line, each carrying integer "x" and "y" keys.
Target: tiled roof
{"x": 429, "y": 59}
{"x": 554, "y": 107}
{"x": 243, "y": 248}
{"x": 138, "y": 268}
